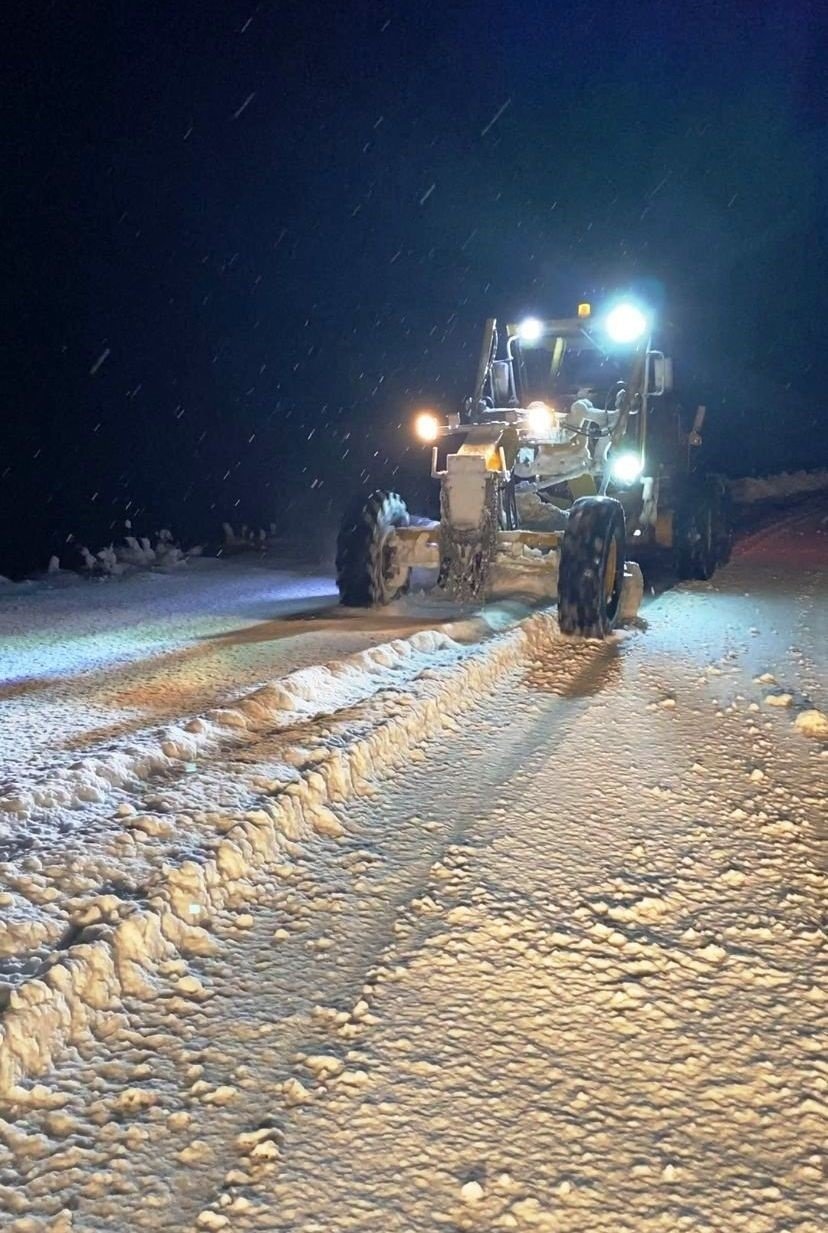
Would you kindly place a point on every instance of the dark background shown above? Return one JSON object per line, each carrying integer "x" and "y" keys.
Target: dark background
{"x": 231, "y": 202}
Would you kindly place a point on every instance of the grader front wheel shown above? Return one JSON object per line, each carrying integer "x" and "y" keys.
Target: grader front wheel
{"x": 591, "y": 571}
{"x": 368, "y": 573}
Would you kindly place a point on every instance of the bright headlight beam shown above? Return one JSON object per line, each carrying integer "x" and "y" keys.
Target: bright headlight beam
{"x": 530, "y": 330}
{"x": 427, "y": 426}
{"x": 539, "y": 419}
{"x": 625, "y": 323}
{"x": 626, "y": 468}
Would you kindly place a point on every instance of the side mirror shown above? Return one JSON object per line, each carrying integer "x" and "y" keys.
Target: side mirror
{"x": 501, "y": 373}
{"x": 659, "y": 373}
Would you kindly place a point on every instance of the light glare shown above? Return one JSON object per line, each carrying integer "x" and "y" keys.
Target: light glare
{"x": 539, "y": 419}
{"x": 626, "y": 468}
{"x": 625, "y": 323}
{"x": 530, "y": 330}
{"x": 427, "y": 426}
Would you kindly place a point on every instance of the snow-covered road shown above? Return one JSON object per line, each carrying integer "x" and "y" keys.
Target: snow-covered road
{"x": 538, "y": 944}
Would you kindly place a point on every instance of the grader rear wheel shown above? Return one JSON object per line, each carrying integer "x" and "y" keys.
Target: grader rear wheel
{"x": 703, "y": 529}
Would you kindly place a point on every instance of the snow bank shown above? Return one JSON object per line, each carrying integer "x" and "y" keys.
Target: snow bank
{"x": 776, "y": 487}
{"x": 118, "y": 944}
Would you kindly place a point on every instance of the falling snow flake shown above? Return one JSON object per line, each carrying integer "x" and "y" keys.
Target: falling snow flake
{"x": 495, "y": 117}
{"x": 244, "y": 105}
{"x": 100, "y": 360}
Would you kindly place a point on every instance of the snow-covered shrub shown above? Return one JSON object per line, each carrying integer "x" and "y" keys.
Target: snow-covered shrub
{"x": 245, "y": 540}
{"x": 134, "y": 554}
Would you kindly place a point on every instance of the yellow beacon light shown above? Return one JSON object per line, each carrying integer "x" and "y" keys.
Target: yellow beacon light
{"x": 584, "y": 310}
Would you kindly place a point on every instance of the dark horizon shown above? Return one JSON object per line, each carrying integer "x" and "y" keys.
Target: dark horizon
{"x": 243, "y": 242}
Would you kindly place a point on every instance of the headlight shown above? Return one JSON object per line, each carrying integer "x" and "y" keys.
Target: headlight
{"x": 625, "y": 323}
{"x": 427, "y": 426}
{"x": 538, "y": 419}
{"x": 626, "y": 468}
{"x": 530, "y": 330}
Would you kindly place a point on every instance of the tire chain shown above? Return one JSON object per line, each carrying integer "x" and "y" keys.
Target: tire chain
{"x": 466, "y": 556}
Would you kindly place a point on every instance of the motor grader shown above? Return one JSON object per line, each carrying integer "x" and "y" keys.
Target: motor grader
{"x": 569, "y": 453}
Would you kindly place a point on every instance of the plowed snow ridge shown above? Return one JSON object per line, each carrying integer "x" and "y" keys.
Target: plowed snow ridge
{"x": 115, "y": 945}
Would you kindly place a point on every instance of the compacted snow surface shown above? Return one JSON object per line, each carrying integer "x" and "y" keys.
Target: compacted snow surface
{"x": 414, "y": 920}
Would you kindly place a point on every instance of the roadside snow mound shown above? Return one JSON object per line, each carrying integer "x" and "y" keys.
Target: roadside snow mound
{"x": 773, "y": 487}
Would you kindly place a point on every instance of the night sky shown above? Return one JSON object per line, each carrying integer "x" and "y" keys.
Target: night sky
{"x": 243, "y": 241}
